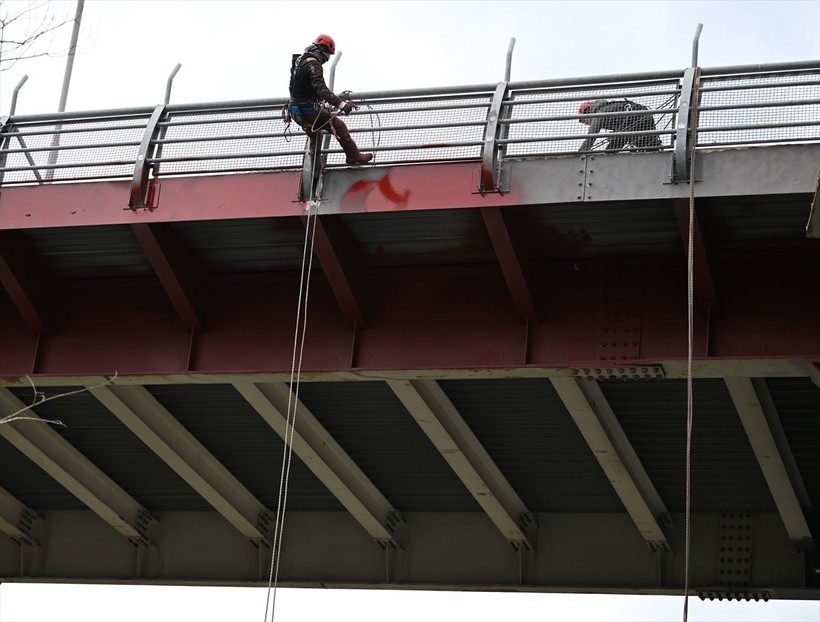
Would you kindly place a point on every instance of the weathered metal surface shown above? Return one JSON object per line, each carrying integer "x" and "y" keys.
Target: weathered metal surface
{"x": 131, "y": 328}
{"x": 578, "y": 272}
{"x": 788, "y": 170}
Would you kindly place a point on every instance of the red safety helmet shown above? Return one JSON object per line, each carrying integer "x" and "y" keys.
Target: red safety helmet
{"x": 584, "y": 109}
{"x": 327, "y": 41}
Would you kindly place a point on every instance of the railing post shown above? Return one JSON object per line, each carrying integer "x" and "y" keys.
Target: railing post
{"x": 170, "y": 83}
{"x": 686, "y": 108}
{"x": 8, "y": 129}
{"x": 680, "y": 156}
{"x": 489, "y": 159}
{"x": 695, "y": 43}
{"x": 139, "y": 182}
{"x": 508, "y": 65}
{"x": 164, "y": 130}
{"x": 15, "y": 93}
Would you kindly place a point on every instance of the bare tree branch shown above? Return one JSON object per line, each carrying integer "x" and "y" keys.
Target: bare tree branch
{"x": 27, "y": 30}
{"x": 40, "y": 398}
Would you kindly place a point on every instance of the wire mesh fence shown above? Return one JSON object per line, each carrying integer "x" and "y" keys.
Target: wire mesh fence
{"x": 225, "y": 141}
{"x": 413, "y": 130}
{"x": 546, "y": 122}
{"x": 536, "y": 119}
{"x": 70, "y": 150}
{"x": 779, "y": 108}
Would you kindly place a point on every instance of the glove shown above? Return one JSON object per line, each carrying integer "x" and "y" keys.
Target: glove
{"x": 348, "y": 108}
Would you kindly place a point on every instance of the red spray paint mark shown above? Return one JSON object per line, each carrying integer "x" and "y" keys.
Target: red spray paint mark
{"x": 357, "y": 197}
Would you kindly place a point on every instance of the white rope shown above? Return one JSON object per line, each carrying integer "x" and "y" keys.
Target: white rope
{"x": 690, "y": 299}
{"x": 300, "y": 330}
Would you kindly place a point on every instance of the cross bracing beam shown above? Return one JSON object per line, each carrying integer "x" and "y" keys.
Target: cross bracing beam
{"x": 516, "y": 269}
{"x": 444, "y": 426}
{"x": 16, "y": 519}
{"x": 51, "y": 452}
{"x": 134, "y": 331}
{"x": 599, "y": 426}
{"x": 705, "y": 289}
{"x": 755, "y": 409}
{"x": 813, "y": 369}
{"x": 342, "y": 265}
{"x": 168, "y": 438}
{"x": 25, "y": 281}
{"x": 175, "y": 268}
{"x": 312, "y": 443}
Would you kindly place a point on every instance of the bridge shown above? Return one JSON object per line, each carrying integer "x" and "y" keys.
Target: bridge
{"x": 499, "y": 342}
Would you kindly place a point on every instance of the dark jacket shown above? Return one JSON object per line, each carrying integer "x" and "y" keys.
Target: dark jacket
{"x": 626, "y": 123}
{"x": 307, "y": 83}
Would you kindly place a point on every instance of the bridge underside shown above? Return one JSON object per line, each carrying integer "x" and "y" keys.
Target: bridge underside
{"x": 493, "y": 392}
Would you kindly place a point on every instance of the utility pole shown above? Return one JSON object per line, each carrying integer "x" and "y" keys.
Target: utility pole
{"x": 69, "y": 66}
{"x": 69, "y": 63}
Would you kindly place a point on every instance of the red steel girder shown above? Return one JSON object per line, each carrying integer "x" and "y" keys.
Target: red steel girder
{"x": 26, "y": 282}
{"x": 418, "y": 319}
{"x": 254, "y": 195}
{"x": 175, "y": 268}
{"x": 706, "y": 296}
{"x": 517, "y": 271}
{"x": 342, "y": 265}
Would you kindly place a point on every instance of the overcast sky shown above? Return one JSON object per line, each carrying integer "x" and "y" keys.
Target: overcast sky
{"x": 242, "y": 50}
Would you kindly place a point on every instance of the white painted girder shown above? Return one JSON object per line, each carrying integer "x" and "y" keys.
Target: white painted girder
{"x": 180, "y": 450}
{"x": 609, "y": 444}
{"x": 749, "y": 404}
{"x": 444, "y": 426}
{"x": 586, "y": 552}
{"x": 672, "y": 368}
{"x": 326, "y": 459}
{"x": 14, "y": 516}
{"x": 52, "y": 453}
{"x": 812, "y": 369}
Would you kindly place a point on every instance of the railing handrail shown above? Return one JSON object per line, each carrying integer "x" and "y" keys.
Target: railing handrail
{"x": 484, "y": 122}
{"x": 423, "y": 92}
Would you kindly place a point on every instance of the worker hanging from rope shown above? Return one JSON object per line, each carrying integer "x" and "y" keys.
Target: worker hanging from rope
{"x": 311, "y": 100}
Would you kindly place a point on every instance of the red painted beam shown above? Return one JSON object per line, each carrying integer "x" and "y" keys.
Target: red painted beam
{"x": 176, "y": 269}
{"x": 27, "y": 283}
{"x": 178, "y": 199}
{"x": 418, "y": 319}
{"x": 342, "y": 265}
{"x": 517, "y": 272}
{"x": 703, "y": 282}
{"x": 223, "y": 197}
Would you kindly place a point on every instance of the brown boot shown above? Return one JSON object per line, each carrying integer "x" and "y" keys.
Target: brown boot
{"x": 354, "y": 156}
{"x": 358, "y": 158}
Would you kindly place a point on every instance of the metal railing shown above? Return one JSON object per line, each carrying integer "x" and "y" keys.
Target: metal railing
{"x": 746, "y": 105}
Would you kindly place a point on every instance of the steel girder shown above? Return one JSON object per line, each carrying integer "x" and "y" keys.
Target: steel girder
{"x": 593, "y": 552}
{"x": 786, "y": 169}
{"x": 130, "y": 328}
{"x": 45, "y": 447}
